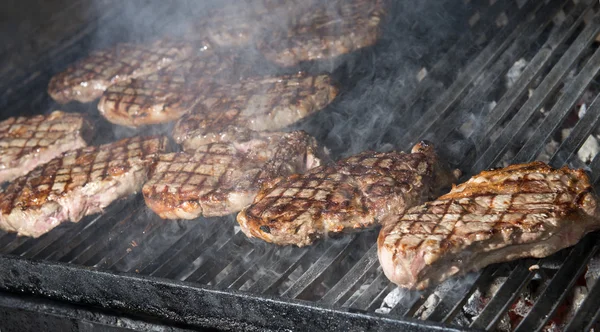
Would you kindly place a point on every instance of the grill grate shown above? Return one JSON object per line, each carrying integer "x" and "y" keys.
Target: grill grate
{"x": 557, "y": 38}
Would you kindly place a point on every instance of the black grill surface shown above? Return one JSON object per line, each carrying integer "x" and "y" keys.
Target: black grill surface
{"x": 207, "y": 273}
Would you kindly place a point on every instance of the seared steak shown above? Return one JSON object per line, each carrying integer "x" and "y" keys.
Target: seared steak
{"x": 165, "y": 95}
{"x": 261, "y": 104}
{"x": 526, "y": 210}
{"x": 87, "y": 79}
{"x": 26, "y": 142}
{"x": 222, "y": 178}
{"x": 355, "y": 193}
{"x": 243, "y": 22}
{"x": 76, "y": 184}
{"x": 326, "y": 30}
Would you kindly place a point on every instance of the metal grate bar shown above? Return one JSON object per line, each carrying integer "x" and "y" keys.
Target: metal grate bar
{"x": 595, "y": 169}
{"x": 588, "y": 313}
{"x": 456, "y": 297}
{"x": 556, "y": 291}
{"x": 518, "y": 123}
{"x": 560, "y": 110}
{"x": 377, "y": 289}
{"x": 87, "y": 235}
{"x": 215, "y": 263}
{"x": 580, "y": 133}
{"x": 174, "y": 252}
{"x": 99, "y": 244}
{"x": 445, "y": 67}
{"x": 177, "y": 264}
{"x": 473, "y": 101}
{"x": 279, "y": 270}
{"x": 531, "y": 71}
{"x": 153, "y": 244}
{"x": 505, "y": 296}
{"x": 503, "y": 38}
{"x": 44, "y": 243}
{"x": 353, "y": 276}
{"x": 128, "y": 242}
{"x": 411, "y": 301}
{"x": 236, "y": 272}
{"x": 333, "y": 254}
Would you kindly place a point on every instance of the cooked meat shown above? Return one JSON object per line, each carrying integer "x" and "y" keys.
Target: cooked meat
{"x": 165, "y": 95}
{"x": 326, "y": 30}
{"x": 526, "y": 210}
{"x": 26, "y": 142}
{"x": 78, "y": 183}
{"x": 355, "y": 193}
{"x": 87, "y": 79}
{"x": 262, "y": 104}
{"x": 222, "y": 178}
{"x": 240, "y": 23}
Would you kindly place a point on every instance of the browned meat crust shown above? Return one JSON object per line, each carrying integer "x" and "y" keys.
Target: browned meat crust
{"x": 497, "y": 216}
{"x": 76, "y": 184}
{"x": 262, "y": 104}
{"x": 355, "y": 193}
{"x": 165, "y": 95}
{"x": 222, "y": 178}
{"x": 26, "y": 142}
{"x": 324, "y": 31}
{"x": 87, "y": 79}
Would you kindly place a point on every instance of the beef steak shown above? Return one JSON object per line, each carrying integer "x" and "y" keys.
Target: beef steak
{"x": 164, "y": 95}
{"x": 87, "y": 79}
{"x": 26, "y": 142}
{"x": 221, "y": 178}
{"x": 525, "y": 210}
{"x": 355, "y": 193}
{"x": 78, "y": 183}
{"x": 325, "y": 30}
{"x": 254, "y": 103}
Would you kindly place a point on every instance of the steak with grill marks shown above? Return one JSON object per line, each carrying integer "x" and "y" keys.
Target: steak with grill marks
{"x": 525, "y": 210}
{"x": 255, "y": 103}
{"x": 165, "y": 95}
{"x": 355, "y": 193}
{"x": 221, "y": 178}
{"x": 87, "y": 79}
{"x": 26, "y": 142}
{"x": 324, "y": 31}
{"x": 78, "y": 183}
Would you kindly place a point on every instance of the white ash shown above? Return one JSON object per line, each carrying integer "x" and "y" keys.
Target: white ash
{"x": 475, "y": 304}
{"x": 578, "y": 295}
{"x": 589, "y": 149}
{"x": 394, "y": 297}
{"x": 549, "y": 149}
{"x": 421, "y": 74}
{"x": 513, "y": 74}
{"x": 428, "y": 306}
{"x": 552, "y": 327}
{"x": 582, "y": 111}
{"x": 593, "y": 271}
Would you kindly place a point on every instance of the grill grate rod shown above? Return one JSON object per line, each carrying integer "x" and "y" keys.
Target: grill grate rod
{"x": 464, "y": 80}
{"x": 580, "y": 133}
{"x": 504, "y": 297}
{"x": 532, "y": 70}
{"x": 488, "y": 79}
{"x": 443, "y": 70}
{"x": 556, "y": 291}
{"x": 351, "y": 278}
{"x": 518, "y": 123}
{"x": 560, "y": 110}
{"x": 181, "y": 253}
{"x": 377, "y": 289}
{"x": 588, "y": 313}
{"x": 334, "y": 254}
